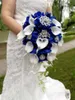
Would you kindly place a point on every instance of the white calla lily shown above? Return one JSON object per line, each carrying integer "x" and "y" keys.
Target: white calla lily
{"x": 54, "y": 21}
{"x": 34, "y": 59}
{"x": 42, "y": 43}
{"x": 51, "y": 57}
{"x": 56, "y": 39}
{"x": 20, "y": 35}
{"x": 55, "y": 30}
{"x": 31, "y": 20}
{"x": 28, "y": 30}
{"x": 54, "y": 48}
{"x": 60, "y": 43}
{"x": 29, "y": 47}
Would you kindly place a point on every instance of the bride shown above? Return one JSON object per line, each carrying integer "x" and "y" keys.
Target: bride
{"x": 21, "y": 82}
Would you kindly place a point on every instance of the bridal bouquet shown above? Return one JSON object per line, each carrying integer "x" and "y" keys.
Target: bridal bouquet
{"x": 41, "y": 35}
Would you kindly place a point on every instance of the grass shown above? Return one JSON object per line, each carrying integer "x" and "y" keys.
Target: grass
{"x": 69, "y": 35}
{"x": 68, "y": 38}
{"x": 63, "y": 70}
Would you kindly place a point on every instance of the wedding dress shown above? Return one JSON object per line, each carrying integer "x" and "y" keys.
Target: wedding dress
{"x": 21, "y": 81}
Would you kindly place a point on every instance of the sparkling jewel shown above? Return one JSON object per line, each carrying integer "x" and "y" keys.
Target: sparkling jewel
{"x": 45, "y": 20}
{"x": 42, "y": 57}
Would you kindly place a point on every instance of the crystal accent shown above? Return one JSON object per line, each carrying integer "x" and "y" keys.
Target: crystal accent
{"x": 45, "y": 20}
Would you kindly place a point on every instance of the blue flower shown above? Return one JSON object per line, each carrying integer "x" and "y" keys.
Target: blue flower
{"x": 38, "y": 14}
{"x": 42, "y": 57}
{"x": 26, "y": 23}
{"x": 25, "y": 40}
{"x": 33, "y": 51}
{"x": 48, "y": 14}
{"x": 37, "y": 22}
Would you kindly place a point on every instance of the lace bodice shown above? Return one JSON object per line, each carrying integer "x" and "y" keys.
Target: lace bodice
{"x": 26, "y": 7}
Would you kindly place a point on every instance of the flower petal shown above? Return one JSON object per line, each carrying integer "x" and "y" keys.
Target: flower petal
{"x": 56, "y": 30}
{"x": 31, "y": 20}
{"x": 42, "y": 44}
{"x": 51, "y": 57}
{"x": 20, "y": 35}
{"x": 29, "y": 47}
{"x": 60, "y": 43}
{"x": 54, "y": 48}
{"x": 34, "y": 59}
{"x": 54, "y": 21}
{"x": 28, "y": 30}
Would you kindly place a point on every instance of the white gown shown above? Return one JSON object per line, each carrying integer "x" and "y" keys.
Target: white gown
{"x": 21, "y": 82}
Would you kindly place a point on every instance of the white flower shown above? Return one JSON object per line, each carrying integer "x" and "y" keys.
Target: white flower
{"x": 28, "y": 30}
{"x": 54, "y": 48}
{"x": 34, "y": 59}
{"x": 31, "y": 20}
{"x": 29, "y": 47}
{"x": 55, "y": 30}
{"x": 29, "y": 36}
{"x": 42, "y": 42}
{"x": 45, "y": 20}
{"x": 54, "y": 21}
{"x": 20, "y": 35}
{"x": 56, "y": 39}
{"x": 51, "y": 57}
{"x": 60, "y": 43}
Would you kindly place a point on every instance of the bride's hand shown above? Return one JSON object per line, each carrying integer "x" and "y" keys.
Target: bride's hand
{"x": 7, "y": 14}
{"x": 49, "y": 7}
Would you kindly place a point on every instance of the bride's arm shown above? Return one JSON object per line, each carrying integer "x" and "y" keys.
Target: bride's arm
{"x": 7, "y": 14}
